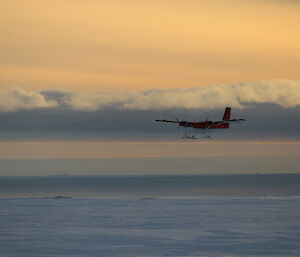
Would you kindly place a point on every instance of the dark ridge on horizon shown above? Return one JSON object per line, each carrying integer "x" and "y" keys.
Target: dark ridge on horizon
{"x": 141, "y": 186}
{"x": 63, "y": 176}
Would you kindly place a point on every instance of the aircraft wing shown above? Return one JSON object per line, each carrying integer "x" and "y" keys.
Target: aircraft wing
{"x": 172, "y": 121}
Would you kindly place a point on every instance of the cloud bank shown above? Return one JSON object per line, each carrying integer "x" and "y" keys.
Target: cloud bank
{"x": 285, "y": 93}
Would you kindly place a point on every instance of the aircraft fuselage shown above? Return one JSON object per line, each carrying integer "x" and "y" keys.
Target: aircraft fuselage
{"x": 203, "y": 125}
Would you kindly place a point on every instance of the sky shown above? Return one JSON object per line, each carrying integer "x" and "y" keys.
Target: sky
{"x": 84, "y": 80}
{"x": 90, "y": 45}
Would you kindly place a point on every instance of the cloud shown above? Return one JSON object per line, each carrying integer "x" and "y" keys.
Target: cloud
{"x": 18, "y": 98}
{"x": 264, "y": 122}
{"x": 285, "y": 93}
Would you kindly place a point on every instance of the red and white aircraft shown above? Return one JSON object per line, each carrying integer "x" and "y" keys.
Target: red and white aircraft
{"x": 206, "y": 125}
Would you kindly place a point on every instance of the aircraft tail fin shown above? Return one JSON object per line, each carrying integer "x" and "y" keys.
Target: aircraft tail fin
{"x": 227, "y": 113}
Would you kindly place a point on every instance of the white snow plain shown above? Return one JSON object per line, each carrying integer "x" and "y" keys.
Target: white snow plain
{"x": 150, "y": 227}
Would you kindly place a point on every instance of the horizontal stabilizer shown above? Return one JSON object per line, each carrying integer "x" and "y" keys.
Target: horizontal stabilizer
{"x": 229, "y": 121}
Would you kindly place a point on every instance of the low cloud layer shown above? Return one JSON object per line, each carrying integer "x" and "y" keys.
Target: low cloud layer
{"x": 264, "y": 122}
{"x": 285, "y": 93}
{"x": 271, "y": 108}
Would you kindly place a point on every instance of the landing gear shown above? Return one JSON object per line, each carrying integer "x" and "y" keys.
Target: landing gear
{"x": 206, "y": 136}
{"x": 187, "y": 136}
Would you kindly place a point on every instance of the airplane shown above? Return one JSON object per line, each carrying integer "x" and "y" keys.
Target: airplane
{"x": 205, "y": 125}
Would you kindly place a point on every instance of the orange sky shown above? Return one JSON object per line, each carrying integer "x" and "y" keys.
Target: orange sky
{"x": 128, "y": 45}
{"x": 98, "y": 149}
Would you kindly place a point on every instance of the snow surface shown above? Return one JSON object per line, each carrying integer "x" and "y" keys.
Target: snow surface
{"x": 209, "y": 226}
